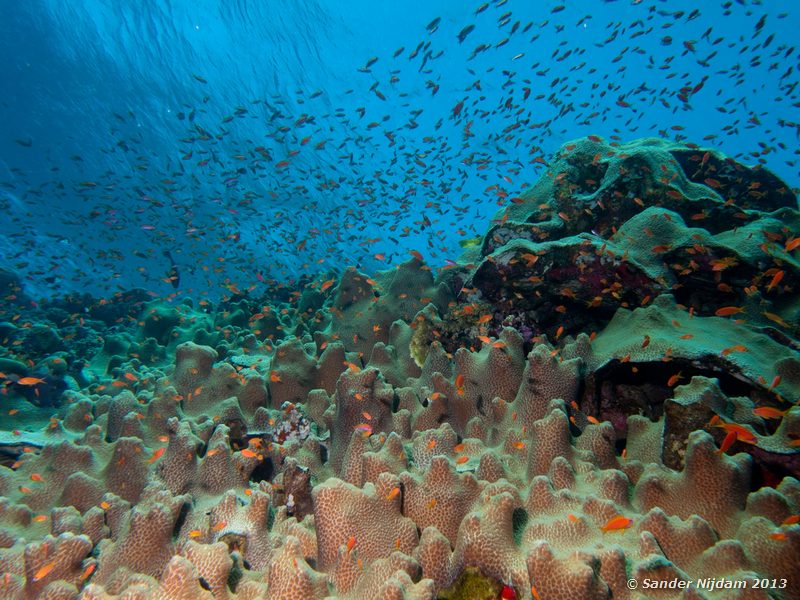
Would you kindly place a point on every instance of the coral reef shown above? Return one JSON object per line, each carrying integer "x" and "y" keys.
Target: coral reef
{"x": 604, "y": 389}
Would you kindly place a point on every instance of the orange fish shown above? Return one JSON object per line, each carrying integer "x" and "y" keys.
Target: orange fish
{"x": 461, "y": 460}
{"x": 157, "y": 454}
{"x": 729, "y": 440}
{"x": 792, "y": 520}
{"x": 393, "y": 493}
{"x": 792, "y": 244}
{"x": 458, "y": 448}
{"x": 274, "y": 377}
{"x": 742, "y": 433}
{"x": 727, "y": 311}
{"x": 351, "y": 543}
{"x": 776, "y": 279}
{"x": 484, "y": 319}
{"x": 88, "y": 571}
{"x": 247, "y": 453}
{"x": 44, "y": 571}
{"x": 618, "y": 523}
{"x": 460, "y": 380}
{"x": 30, "y": 381}
{"x": 736, "y": 348}
{"x": 768, "y": 412}
{"x": 674, "y": 379}
{"x": 431, "y": 444}
{"x": 775, "y": 318}
{"x": 219, "y": 526}
{"x": 326, "y": 284}
{"x": 195, "y": 533}
{"x": 779, "y": 536}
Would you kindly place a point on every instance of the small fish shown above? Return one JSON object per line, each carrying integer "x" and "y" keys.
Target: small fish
{"x": 393, "y": 493}
{"x": 727, "y": 311}
{"x": 247, "y": 453}
{"x": 791, "y": 520}
{"x": 44, "y": 571}
{"x": 351, "y": 543}
{"x": 88, "y": 571}
{"x": 674, "y": 379}
{"x": 433, "y": 25}
{"x": 462, "y": 35}
{"x": 461, "y": 460}
{"x": 30, "y": 381}
{"x": 742, "y": 433}
{"x": 219, "y": 526}
{"x": 729, "y": 441}
{"x": 768, "y": 412}
{"x": 776, "y": 279}
{"x": 735, "y": 348}
{"x": 364, "y": 429}
{"x": 470, "y": 242}
{"x": 157, "y": 454}
{"x": 618, "y": 523}
{"x": 326, "y": 284}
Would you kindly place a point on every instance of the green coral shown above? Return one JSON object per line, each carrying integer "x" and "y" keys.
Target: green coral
{"x": 423, "y": 331}
{"x": 473, "y": 585}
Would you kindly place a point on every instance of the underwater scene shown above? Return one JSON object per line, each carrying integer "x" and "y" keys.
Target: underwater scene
{"x": 355, "y": 299}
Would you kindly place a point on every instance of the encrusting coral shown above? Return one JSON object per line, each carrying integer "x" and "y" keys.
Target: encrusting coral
{"x": 604, "y": 389}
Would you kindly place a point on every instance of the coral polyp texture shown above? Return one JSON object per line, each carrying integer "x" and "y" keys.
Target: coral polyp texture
{"x": 603, "y": 391}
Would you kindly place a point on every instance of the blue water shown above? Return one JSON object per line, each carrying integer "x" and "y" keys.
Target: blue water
{"x": 131, "y": 128}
